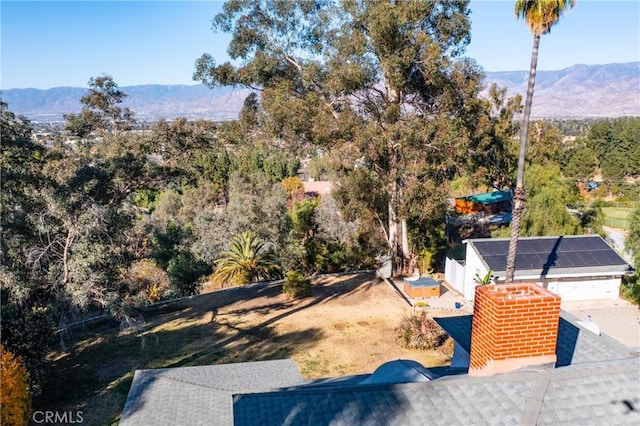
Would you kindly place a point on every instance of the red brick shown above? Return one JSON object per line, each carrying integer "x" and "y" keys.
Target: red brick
{"x": 506, "y": 329}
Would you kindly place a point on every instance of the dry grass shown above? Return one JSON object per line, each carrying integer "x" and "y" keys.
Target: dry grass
{"x": 345, "y": 327}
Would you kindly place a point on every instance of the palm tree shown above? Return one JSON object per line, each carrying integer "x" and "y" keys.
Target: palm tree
{"x": 540, "y": 16}
{"x": 248, "y": 261}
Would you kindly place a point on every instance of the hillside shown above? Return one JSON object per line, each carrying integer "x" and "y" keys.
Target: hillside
{"x": 580, "y": 91}
{"x": 149, "y": 102}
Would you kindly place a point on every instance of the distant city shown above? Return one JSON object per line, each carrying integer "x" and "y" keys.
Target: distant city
{"x": 580, "y": 91}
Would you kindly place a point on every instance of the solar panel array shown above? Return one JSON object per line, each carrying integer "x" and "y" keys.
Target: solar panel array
{"x": 546, "y": 253}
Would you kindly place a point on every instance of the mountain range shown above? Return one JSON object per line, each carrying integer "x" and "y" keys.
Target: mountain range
{"x": 580, "y": 91}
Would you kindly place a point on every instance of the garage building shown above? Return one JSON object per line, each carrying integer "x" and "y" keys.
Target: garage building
{"x": 576, "y": 267}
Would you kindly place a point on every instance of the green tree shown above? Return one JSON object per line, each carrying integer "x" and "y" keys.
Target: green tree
{"x": 622, "y": 156}
{"x": 21, "y": 164}
{"x": 184, "y": 271}
{"x": 599, "y": 139}
{"x": 28, "y": 331}
{"x": 254, "y": 204}
{"x": 385, "y": 77}
{"x": 581, "y": 165}
{"x": 547, "y": 201}
{"x": 540, "y": 16}
{"x": 545, "y": 143}
{"x": 101, "y": 109}
{"x": 26, "y": 325}
{"x": 491, "y": 158}
{"x": 632, "y": 242}
{"x": 247, "y": 261}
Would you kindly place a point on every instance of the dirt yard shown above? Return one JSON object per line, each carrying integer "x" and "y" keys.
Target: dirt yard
{"x": 345, "y": 327}
{"x": 349, "y": 324}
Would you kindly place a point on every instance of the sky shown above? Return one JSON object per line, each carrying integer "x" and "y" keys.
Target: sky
{"x": 46, "y": 44}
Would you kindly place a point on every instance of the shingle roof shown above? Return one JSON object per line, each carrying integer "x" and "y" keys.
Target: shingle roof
{"x": 200, "y": 395}
{"x": 593, "y": 393}
{"x": 546, "y": 256}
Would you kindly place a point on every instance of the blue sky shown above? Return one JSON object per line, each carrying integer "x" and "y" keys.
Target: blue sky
{"x": 51, "y": 43}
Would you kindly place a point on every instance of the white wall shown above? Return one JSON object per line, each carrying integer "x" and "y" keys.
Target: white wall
{"x": 605, "y": 288}
{"x": 473, "y": 266}
{"x": 454, "y": 274}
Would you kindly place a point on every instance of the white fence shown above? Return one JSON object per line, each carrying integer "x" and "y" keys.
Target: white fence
{"x": 454, "y": 274}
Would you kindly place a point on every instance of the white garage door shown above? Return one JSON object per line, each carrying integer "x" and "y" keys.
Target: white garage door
{"x": 586, "y": 290}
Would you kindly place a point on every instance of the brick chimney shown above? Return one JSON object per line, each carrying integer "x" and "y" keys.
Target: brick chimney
{"x": 514, "y": 326}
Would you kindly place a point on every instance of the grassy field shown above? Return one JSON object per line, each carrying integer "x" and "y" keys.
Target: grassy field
{"x": 345, "y": 327}
{"x": 617, "y": 217}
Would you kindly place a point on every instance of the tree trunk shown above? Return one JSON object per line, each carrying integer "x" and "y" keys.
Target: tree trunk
{"x": 520, "y": 192}
{"x": 65, "y": 255}
{"x": 397, "y": 226}
{"x": 405, "y": 238}
{"x": 395, "y": 234}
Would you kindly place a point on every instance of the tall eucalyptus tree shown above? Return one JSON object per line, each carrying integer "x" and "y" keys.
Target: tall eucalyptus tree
{"x": 540, "y": 16}
{"x": 385, "y": 80}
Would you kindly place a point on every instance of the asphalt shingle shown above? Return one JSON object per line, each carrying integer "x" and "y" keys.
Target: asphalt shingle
{"x": 593, "y": 393}
{"x": 200, "y": 395}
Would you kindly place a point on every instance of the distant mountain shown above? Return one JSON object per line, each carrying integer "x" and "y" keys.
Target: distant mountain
{"x": 580, "y": 91}
{"x": 148, "y": 102}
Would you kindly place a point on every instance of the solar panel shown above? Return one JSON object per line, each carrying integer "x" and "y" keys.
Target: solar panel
{"x": 547, "y": 253}
{"x": 573, "y": 259}
{"x": 533, "y": 260}
{"x": 608, "y": 257}
{"x": 524, "y": 261}
{"x": 492, "y": 247}
{"x": 496, "y": 263}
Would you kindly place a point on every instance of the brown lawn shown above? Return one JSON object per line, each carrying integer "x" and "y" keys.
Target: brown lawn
{"x": 345, "y": 327}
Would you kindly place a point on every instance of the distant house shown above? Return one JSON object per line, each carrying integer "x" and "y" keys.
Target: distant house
{"x": 577, "y": 267}
{"x": 317, "y": 188}
{"x": 488, "y": 203}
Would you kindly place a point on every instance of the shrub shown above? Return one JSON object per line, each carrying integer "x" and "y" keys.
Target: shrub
{"x": 630, "y": 289}
{"x": 294, "y": 187}
{"x": 420, "y": 331}
{"x": 296, "y": 285}
{"x": 447, "y": 347}
{"x": 28, "y": 333}
{"x": 146, "y": 280}
{"x": 15, "y": 398}
{"x": 183, "y": 272}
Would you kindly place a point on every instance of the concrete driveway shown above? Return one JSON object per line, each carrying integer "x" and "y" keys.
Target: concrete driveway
{"x": 617, "y": 318}
{"x": 616, "y": 238}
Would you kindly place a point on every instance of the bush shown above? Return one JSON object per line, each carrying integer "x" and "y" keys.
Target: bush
{"x": 448, "y": 347}
{"x": 15, "y": 398}
{"x": 296, "y": 285}
{"x": 630, "y": 289}
{"x": 183, "y": 272}
{"x": 420, "y": 331}
{"x": 28, "y": 333}
{"x": 146, "y": 281}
